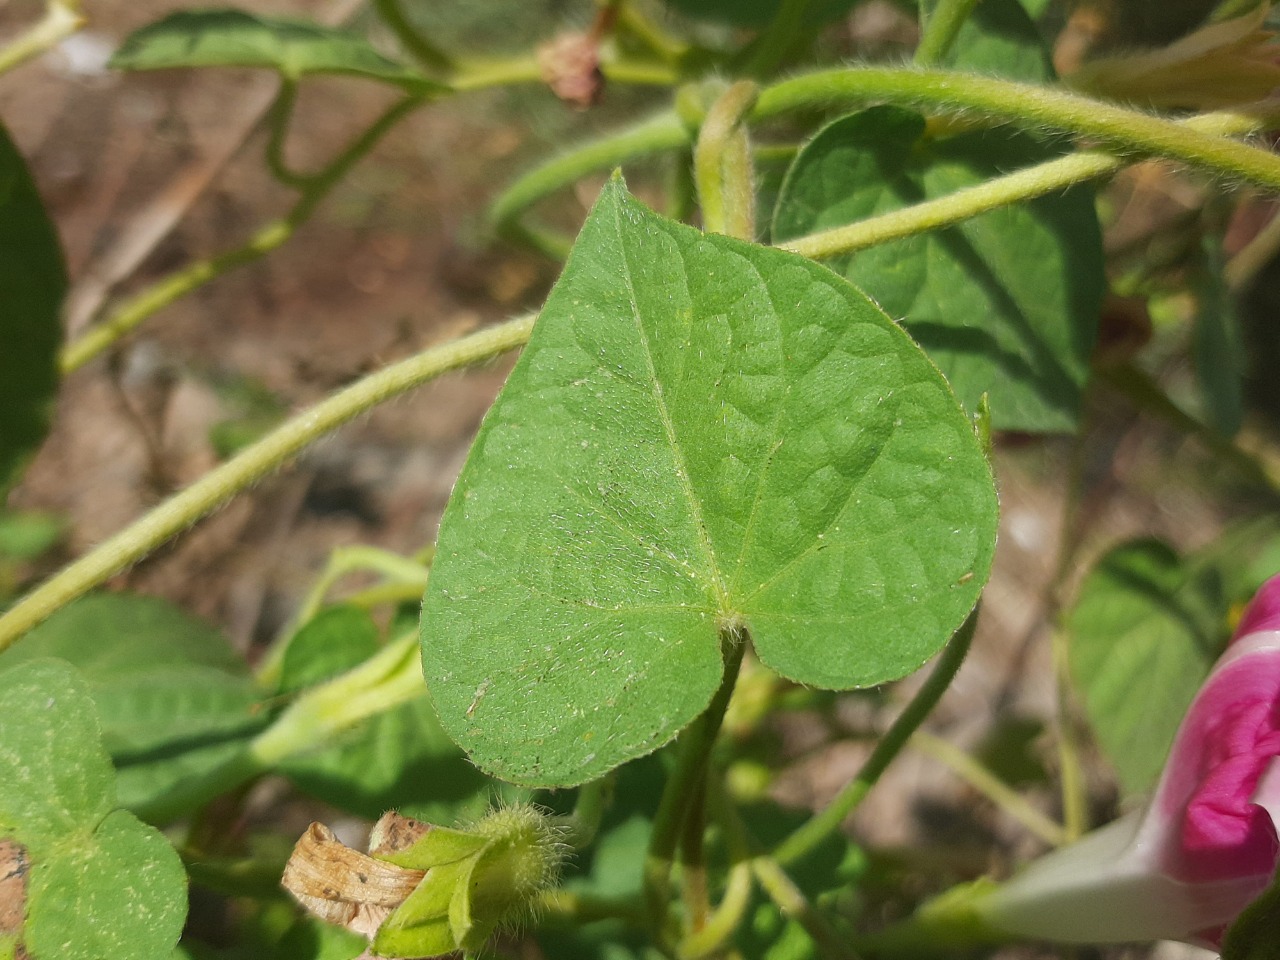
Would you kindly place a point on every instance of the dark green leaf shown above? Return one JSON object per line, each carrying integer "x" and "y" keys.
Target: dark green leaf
{"x": 1219, "y": 347}
{"x": 24, "y": 536}
{"x": 120, "y": 893}
{"x": 1006, "y": 303}
{"x": 57, "y": 779}
{"x": 1143, "y": 635}
{"x": 309, "y": 939}
{"x": 1253, "y": 934}
{"x": 333, "y": 641}
{"x": 1000, "y": 39}
{"x": 700, "y": 432}
{"x": 32, "y": 284}
{"x": 233, "y": 38}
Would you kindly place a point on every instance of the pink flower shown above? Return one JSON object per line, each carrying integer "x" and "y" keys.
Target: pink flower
{"x": 1206, "y": 844}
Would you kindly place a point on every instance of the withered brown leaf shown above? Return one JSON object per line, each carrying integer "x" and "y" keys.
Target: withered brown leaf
{"x": 343, "y": 886}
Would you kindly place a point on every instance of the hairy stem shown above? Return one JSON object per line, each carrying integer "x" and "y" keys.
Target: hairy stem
{"x": 1026, "y": 184}
{"x": 251, "y": 465}
{"x": 824, "y": 824}
{"x": 662, "y": 132}
{"x": 722, "y": 164}
{"x": 137, "y": 310}
{"x": 1125, "y": 131}
{"x": 61, "y": 19}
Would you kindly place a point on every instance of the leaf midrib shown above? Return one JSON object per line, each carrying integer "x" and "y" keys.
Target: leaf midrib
{"x": 668, "y": 426}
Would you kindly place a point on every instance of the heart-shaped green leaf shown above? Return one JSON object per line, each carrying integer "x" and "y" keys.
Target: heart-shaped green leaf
{"x": 233, "y": 38}
{"x": 32, "y": 284}
{"x": 700, "y": 433}
{"x": 1006, "y": 303}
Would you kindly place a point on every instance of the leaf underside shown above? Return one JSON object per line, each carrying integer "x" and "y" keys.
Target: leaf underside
{"x": 700, "y": 432}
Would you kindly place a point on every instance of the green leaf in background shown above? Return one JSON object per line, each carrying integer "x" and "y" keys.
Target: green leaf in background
{"x": 1006, "y": 303}
{"x": 120, "y": 893}
{"x": 1218, "y": 347}
{"x": 333, "y": 641}
{"x": 234, "y": 38}
{"x": 26, "y": 535}
{"x": 173, "y": 697}
{"x": 102, "y": 883}
{"x": 32, "y": 284}
{"x": 1143, "y": 635}
{"x": 1000, "y": 39}
{"x": 399, "y": 760}
{"x": 1252, "y": 936}
{"x": 701, "y": 432}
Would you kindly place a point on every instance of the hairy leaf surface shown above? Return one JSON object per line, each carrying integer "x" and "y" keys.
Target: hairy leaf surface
{"x": 701, "y": 433}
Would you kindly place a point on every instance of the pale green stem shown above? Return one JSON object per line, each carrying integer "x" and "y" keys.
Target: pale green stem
{"x": 251, "y": 465}
{"x": 694, "y": 751}
{"x": 791, "y": 900}
{"x": 418, "y": 47}
{"x": 1043, "y": 178}
{"x": 1075, "y": 794}
{"x": 990, "y": 786}
{"x": 137, "y": 310}
{"x": 1036, "y": 107}
{"x": 659, "y": 133}
{"x": 384, "y": 593}
{"x": 569, "y": 908}
{"x": 1256, "y": 254}
{"x": 722, "y": 164}
{"x": 729, "y": 913}
{"x": 588, "y": 810}
{"x": 61, "y": 19}
{"x": 939, "y": 30}
{"x": 389, "y": 678}
{"x": 814, "y": 832}
{"x": 342, "y": 561}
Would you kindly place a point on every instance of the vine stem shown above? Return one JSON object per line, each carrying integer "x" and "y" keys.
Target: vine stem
{"x": 940, "y": 29}
{"x": 1026, "y": 184}
{"x": 252, "y": 464}
{"x": 790, "y": 899}
{"x": 694, "y": 751}
{"x": 812, "y": 834}
{"x": 1129, "y": 132}
{"x": 61, "y": 19}
{"x": 722, "y": 164}
{"x": 990, "y": 786}
{"x": 427, "y": 55}
{"x": 315, "y": 188}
